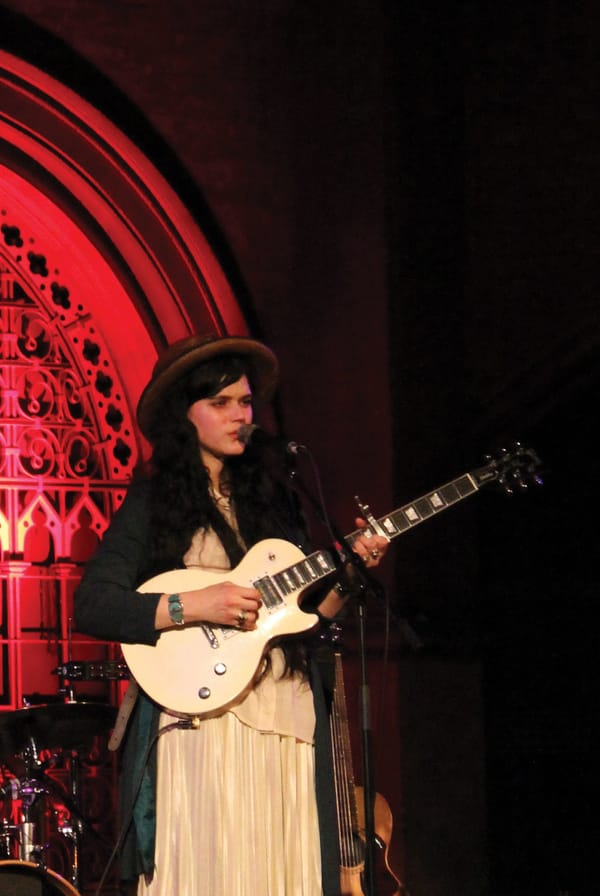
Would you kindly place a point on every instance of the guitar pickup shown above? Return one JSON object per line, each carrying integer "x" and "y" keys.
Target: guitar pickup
{"x": 268, "y": 592}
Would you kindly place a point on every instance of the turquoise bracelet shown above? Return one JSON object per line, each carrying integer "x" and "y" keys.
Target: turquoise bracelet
{"x": 176, "y": 609}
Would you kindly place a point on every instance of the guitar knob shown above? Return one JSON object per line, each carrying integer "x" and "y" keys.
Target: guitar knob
{"x": 220, "y": 669}
{"x": 204, "y": 693}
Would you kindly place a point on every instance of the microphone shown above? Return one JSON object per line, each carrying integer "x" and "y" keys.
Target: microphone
{"x": 252, "y": 432}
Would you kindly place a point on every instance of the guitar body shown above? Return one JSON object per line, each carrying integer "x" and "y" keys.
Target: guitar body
{"x": 200, "y": 670}
{"x": 351, "y": 881}
{"x": 386, "y": 882}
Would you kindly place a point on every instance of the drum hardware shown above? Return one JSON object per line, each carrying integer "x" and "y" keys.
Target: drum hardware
{"x": 71, "y": 725}
{"x": 89, "y": 670}
{"x": 30, "y": 850}
{"x": 28, "y": 791}
{"x": 30, "y": 878}
{"x": 83, "y": 670}
{"x": 7, "y": 833}
{"x": 71, "y": 831}
{"x": 67, "y": 727}
{"x": 62, "y": 728}
{"x": 39, "y": 784}
{"x": 25, "y": 834}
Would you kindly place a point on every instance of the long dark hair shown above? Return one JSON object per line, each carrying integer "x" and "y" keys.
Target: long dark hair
{"x": 180, "y": 498}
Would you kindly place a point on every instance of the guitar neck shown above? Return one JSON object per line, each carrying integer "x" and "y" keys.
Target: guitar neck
{"x": 423, "y": 508}
{"x": 510, "y": 469}
{"x": 351, "y": 847}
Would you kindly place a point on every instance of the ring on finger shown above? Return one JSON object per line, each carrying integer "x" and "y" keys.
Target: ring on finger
{"x": 374, "y": 553}
{"x": 241, "y": 618}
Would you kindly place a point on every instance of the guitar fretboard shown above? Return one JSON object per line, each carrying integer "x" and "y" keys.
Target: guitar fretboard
{"x": 275, "y": 588}
{"x": 423, "y": 508}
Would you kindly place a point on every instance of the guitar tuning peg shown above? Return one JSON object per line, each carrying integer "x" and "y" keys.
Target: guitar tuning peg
{"x": 505, "y": 484}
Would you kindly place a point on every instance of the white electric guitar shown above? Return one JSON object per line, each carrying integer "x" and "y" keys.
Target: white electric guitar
{"x": 201, "y": 669}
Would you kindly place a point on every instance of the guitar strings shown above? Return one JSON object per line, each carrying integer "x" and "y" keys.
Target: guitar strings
{"x": 350, "y": 848}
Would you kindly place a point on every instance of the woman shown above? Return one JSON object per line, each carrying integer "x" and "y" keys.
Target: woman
{"x": 243, "y": 803}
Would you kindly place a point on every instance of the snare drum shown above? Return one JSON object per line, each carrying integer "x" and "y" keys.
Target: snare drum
{"x": 28, "y": 879}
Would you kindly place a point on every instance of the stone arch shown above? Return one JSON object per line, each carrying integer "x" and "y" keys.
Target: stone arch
{"x": 115, "y": 221}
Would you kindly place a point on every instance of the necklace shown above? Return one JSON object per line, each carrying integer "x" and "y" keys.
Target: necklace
{"x": 218, "y": 497}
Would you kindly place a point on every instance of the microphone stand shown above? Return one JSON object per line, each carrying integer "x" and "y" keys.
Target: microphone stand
{"x": 366, "y": 736}
{"x": 360, "y": 584}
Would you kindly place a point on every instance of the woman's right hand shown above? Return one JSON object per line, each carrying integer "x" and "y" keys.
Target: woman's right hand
{"x": 222, "y": 604}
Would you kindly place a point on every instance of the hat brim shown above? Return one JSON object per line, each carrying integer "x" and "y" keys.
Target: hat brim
{"x": 186, "y": 354}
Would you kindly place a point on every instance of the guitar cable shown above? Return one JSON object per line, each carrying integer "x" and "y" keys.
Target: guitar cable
{"x": 126, "y": 824}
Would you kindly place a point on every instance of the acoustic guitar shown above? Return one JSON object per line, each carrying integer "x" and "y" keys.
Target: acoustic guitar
{"x": 351, "y": 809}
{"x": 199, "y": 670}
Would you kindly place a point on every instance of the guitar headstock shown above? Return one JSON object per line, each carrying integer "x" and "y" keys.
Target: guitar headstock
{"x": 513, "y": 469}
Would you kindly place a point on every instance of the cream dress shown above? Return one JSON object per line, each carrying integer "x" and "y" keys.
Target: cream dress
{"x": 236, "y": 803}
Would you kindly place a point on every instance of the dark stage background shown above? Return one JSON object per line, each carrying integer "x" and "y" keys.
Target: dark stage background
{"x": 404, "y": 196}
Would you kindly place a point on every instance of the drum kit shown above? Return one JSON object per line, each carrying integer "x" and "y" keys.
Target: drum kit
{"x": 35, "y": 799}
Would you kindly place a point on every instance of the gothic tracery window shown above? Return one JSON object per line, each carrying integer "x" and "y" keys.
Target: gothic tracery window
{"x": 67, "y": 451}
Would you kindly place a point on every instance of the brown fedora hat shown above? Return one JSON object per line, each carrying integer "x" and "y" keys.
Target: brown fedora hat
{"x": 187, "y": 353}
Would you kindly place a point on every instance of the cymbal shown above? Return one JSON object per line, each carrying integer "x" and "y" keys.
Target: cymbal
{"x": 53, "y": 726}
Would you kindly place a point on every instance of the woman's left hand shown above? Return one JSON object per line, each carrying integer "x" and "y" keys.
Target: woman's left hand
{"x": 370, "y": 547}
